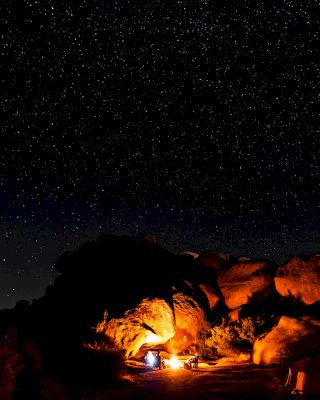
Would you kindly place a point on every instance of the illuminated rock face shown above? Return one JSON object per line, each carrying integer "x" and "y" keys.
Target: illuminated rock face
{"x": 245, "y": 280}
{"x": 189, "y": 320}
{"x": 291, "y": 338}
{"x": 300, "y": 278}
{"x": 151, "y": 322}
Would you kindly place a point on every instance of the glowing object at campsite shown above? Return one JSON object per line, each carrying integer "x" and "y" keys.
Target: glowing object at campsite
{"x": 150, "y": 358}
{"x": 174, "y": 363}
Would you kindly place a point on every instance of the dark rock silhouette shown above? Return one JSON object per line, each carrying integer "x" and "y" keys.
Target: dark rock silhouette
{"x": 113, "y": 274}
{"x": 215, "y": 259}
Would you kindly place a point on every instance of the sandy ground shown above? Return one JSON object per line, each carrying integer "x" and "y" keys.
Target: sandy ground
{"x": 229, "y": 382}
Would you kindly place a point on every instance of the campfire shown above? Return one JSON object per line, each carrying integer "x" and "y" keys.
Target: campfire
{"x": 173, "y": 363}
{"x": 152, "y": 360}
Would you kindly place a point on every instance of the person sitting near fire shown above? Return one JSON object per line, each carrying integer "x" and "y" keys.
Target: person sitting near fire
{"x": 158, "y": 361}
{"x": 193, "y": 361}
{"x": 196, "y": 360}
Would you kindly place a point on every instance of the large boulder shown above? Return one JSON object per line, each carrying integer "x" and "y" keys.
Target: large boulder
{"x": 151, "y": 322}
{"x": 299, "y": 278}
{"x": 189, "y": 321}
{"x": 246, "y": 280}
{"x": 290, "y": 339}
{"x": 214, "y": 259}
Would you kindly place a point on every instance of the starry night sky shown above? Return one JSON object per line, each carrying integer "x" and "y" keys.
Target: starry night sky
{"x": 195, "y": 121}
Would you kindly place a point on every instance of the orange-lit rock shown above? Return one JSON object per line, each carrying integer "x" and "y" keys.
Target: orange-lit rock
{"x": 244, "y": 280}
{"x": 189, "y": 320}
{"x": 234, "y": 315}
{"x": 151, "y": 322}
{"x": 214, "y": 259}
{"x": 300, "y": 278}
{"x": 290, "y": 338}
{"x": 212, "y": 298}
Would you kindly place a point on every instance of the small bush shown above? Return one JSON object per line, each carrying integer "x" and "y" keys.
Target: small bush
{"x": 203, "y": 347}
{"x": 103, "y": 360}
{"x": 231, "y": 338}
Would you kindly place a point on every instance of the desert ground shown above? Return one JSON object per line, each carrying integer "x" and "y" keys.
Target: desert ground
{"x": 214, "y": 382}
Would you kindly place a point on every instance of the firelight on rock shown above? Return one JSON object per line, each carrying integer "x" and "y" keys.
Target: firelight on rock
{"x": 152, "y": 338}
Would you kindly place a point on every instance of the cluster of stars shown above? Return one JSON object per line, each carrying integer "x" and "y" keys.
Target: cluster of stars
{"x": 195, "y": 121}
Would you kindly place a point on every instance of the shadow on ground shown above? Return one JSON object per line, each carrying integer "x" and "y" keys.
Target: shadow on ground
{"x": 236, "y": 382}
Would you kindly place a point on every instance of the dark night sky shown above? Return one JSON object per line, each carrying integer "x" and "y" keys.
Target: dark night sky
{"x": 196, "y": 121}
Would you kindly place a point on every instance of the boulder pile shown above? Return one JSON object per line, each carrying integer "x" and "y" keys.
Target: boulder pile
{"x": 119, "y": 296}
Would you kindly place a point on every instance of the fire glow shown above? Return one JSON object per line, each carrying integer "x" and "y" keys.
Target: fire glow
{"x": 174, "y": 363}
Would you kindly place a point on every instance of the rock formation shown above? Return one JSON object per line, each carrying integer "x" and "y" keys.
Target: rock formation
{"x": 291, "y": 338}
{"x": 214, "y": 259}
{"x": 152, "y": 322}
{"x": 189, "y": 320}
{"x": 152, "y": 297}
{"x": 120, "y": 295}
{"x": 244, "y": 281}
{"x": 299, "y": 279}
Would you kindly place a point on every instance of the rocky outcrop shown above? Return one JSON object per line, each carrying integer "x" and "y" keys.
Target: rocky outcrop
{"x": 214, "y": 259}
{"x": 158, "y": 299}
{"x": 151, "y": 322}
{"x": 150, "y": 294}
{"x": 189, "y": 320}
{"x": 234, "y": 315}
{"x": 299, "y": 279}
{"x": 291, "y": 338}
{"x": 244, "y": 281}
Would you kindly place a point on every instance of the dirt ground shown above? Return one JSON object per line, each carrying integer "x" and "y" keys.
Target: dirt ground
{"x": 229, "y": 382}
